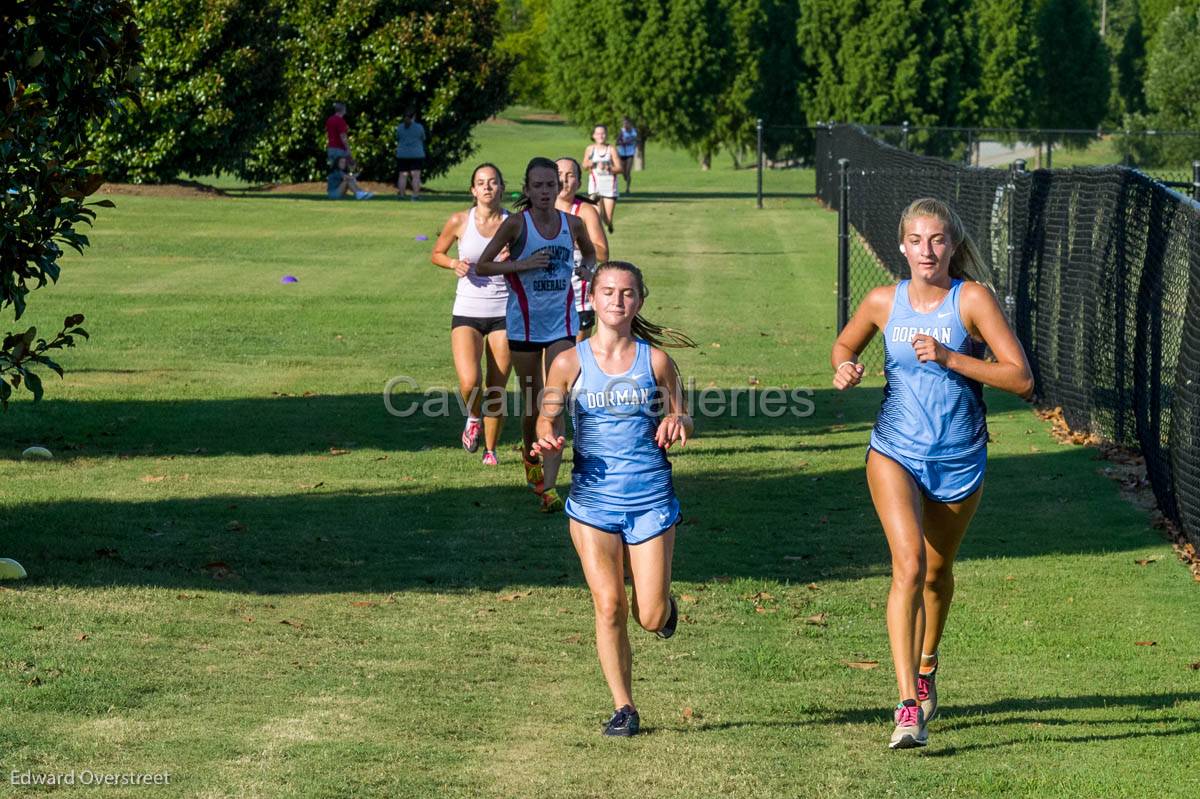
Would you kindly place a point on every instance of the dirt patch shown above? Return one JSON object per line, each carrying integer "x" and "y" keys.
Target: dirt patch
{"x": 189, "y": 190}
{"x": 186, "y": 189}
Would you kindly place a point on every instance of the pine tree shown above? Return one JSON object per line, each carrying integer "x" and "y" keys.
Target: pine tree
{"x": 1073, "y": 87}
{"x": 1006, "y": 47}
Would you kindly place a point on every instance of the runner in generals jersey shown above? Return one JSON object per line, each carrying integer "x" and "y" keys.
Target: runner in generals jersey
{"x": 541, "y": 319}
{"x": 576, "y": 205}
{"x": 928, "y": 451}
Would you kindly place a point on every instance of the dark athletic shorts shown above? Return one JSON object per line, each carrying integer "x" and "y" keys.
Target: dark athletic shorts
{"x": 537, "y": 346}
{"x": 410, "y": 164}
{"x": 484, "y": 324}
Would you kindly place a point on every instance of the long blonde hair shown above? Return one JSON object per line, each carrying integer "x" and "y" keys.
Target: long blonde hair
{"x": 966, "y": 263}
{"x": 642, "y": 328}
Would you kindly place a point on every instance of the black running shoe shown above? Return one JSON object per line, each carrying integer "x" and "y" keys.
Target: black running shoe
{"x": 624, "y": 723}
{"x": 668, "y": 629}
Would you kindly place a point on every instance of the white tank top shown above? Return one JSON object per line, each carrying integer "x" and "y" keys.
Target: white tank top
{"x": 478, "y": 296}
{"x": 601, "y": 179}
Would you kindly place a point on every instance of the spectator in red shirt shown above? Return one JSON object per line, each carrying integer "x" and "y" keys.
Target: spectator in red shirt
{"x": 337, "y": 135}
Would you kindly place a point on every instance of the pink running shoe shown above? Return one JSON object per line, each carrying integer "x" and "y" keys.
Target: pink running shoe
{"x": 927, "y": 694}
{"x": 489, "y": 458}
{"x": 910, "y": 729}
{"x": 470, "y": 436}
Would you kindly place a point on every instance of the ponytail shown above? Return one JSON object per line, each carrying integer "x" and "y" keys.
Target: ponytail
{"x": 642, "y": 328}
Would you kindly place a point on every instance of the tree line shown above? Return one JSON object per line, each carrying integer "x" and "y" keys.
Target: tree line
{"x": 242, "y": 86}
{"x": 698, "y": 73}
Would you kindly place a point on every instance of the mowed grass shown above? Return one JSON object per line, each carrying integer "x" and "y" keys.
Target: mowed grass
{"x": 246, "y": 573}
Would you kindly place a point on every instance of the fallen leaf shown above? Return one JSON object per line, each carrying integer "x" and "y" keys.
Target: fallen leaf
{"x": 514, "y": 597}
{"x": 362, "y": 603}
{"x": 687, "y": 597}
{"x": 311, "y": 486}
{"x": 235, "y": 526}
{"x": 817, "y": 619}
{"x": 336, "y": 451}
{"x": 81, "y": 636}
{"x": 862, "y": 665}
{"x": 689, "y": 714}
{"x": 1145, "y": 643}
{"x": 220, "y": 569}
{"x": 716, "y": 346}
{"x": 753, "y": 380}
{"x": 153, "y": 478}
{"x": 761, "y": 596}
{"x": 1194, "y": 666}
{"x": 248, "y": 619}
{"x": 572, "y": 639}
{"x": 759, "y": 609}
{"x": 814, "y": 587}
{"x": 296, "y": 624}
{"x": 1145, "y": 561}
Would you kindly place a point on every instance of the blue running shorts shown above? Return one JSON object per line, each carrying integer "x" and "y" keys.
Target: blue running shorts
{"x": 945, "y": 481}
{"x": 634, "y": 527}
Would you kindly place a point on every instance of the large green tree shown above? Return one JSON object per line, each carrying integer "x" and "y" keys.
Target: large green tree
{"x": 244, "y": 86}
{"x": 1073, "y": 89}
{"x": 62, "y": 65}
{"x": 210, "y": 77}
{"x": 1170, "y": 94}
{"x": 524, "y": 26}
{"x": 381, "y": 57}
{"x": 1005, "y": 45}
{"x": 888, "y": 62}
{"x": 694, "y": 73}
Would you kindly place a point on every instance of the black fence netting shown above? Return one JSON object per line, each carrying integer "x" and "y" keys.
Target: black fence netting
{"x": 1097, "y": 268}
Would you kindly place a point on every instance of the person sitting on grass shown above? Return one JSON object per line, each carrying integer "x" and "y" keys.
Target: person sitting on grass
{"x": 342, "y": 181}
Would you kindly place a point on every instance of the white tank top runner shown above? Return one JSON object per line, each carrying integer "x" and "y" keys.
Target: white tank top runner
{"x": 601, "y": 179}
{"x": 477, "y": 296}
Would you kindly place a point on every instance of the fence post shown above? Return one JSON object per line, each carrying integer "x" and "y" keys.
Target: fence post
{"x": 760, "y": 162}
{"x": 904, "y": 135}
{"x": 843, "y": 310}
{"x": 1196, "y": 181}
{"x": 970, "y": 145}
{"x": 1010, "y": 301}
{"x": 1049, "y": 154}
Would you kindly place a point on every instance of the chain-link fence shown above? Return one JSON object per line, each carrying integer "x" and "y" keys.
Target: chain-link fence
{"x": 1098, "y": 269}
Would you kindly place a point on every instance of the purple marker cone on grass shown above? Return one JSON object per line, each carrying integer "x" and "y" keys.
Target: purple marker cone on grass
{"x": 422, "y": 237}
{"x": 288, "y": 279}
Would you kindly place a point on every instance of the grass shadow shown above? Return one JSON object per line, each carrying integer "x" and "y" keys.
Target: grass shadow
{"x": 785, "y": 524}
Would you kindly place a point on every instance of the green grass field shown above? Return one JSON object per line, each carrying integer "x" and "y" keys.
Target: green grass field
{"x": 245, "y": 573}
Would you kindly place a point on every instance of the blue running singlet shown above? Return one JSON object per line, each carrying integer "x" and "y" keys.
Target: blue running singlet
{"x": 617, "y": 464}
{"x": 541, "y": 302}
{"x": 929, "y": 412}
